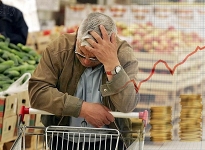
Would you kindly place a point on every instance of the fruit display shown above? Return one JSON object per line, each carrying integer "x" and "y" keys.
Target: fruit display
{"x": 147, "y": 38}
{"x": 144, "y": 37}
{"x": 15, "y": 60}
{"x": 98, "y": 8}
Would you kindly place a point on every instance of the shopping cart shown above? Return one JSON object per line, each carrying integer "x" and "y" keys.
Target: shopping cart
{"x": 77, "y": 138}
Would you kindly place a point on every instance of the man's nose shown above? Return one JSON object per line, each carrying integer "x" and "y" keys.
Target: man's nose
{"x": 87, "y": 61}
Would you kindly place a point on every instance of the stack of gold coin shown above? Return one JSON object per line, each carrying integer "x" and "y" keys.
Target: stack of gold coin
{"x": 137, "y": 127}
{"x": 191, "y": 118}
{"x": 160, "y": 121}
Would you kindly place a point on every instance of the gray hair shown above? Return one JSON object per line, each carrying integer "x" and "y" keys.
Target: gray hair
{"x": 92, "y": 23}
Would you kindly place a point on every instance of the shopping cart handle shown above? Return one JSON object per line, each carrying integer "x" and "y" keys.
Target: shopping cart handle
{"x": 27, "y": 110}
{"x": 140, "y": 115}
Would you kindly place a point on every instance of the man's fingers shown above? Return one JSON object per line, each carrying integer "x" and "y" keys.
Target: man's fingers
{"x": 96, "y": 36}
{"x": 106, "y": 122}
{"x": 91, "y": 42}
{"x": 104, "y": 33}
{"x": 113, "y": 38}
{"x": 109, "y": 115}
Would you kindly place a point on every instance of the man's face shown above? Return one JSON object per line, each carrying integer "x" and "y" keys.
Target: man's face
{"x": 85, "y": 57}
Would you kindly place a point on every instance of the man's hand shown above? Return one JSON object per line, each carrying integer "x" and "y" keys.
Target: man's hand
{"x": 96, "y": 114}
{"x": 105, "y": 49}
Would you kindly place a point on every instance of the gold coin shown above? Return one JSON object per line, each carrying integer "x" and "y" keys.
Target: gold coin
{"x": 160, "y": 139}
{"x": 192, "y": 107}
{"x": 161, "y": 108}
{"x": 191, "y": 140}
{"x": 161, "y": 119}
{"x": 198, "y": 100}
{"x": 136, "y": 128}
{"x": 160, "y": 134}
{"x": 165, "y": 127}
{"x": 161, "y": 112}
{"x": 191, "y": 100}
{"x": 135, "y": 135}
{"x": 135, "y": 120}
{"x": 190, "y": 96}
{"x": 163, "y": 122}
{"x": 188, "y": 104}
{"x": 196, "y": 111}
{"x": 190, "y": 137}
{"x": 189, "y": 122}
{"x": 191, "y": 119}
{"x": 162, "y": 130}
{"x": 191, "y": 111}
{"x": 182, "y": 130}
{"x": 183, "y": 118}
{"x": 137, "y": 124}
{"x": 189, "y": 126}
{"x": 164, "y": 116}
{"x": 192, "y": 133}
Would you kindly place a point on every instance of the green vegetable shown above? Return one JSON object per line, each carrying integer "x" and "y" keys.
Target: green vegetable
{"x": 13, "y": 46}
{"x": 10, "y": 56}
{"x": 4, "y": 47}
{"x": 12, "y": 73}
{"x": 2, "y": 82}
{"x": 2, "y": 37}
{"x": 31, "y": 62}
{"x": 3, "y": 77}
{"x": 5, "y": 65}
{"x": 1, "y": 51}
{"x": 5, "y": 86}
{"x": 1, "y": 60}
{"x": 26, "y": 49}
{"x": 20, "y": 45}
{"x": 7, "y": 41}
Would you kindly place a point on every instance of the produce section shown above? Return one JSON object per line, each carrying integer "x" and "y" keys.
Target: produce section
{"x": 15, "y": 60}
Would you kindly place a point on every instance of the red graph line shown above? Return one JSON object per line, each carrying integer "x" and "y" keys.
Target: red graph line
{"x": 137, "y": 87}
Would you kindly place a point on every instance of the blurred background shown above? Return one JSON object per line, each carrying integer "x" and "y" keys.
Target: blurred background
{"x": 168, "y": 30}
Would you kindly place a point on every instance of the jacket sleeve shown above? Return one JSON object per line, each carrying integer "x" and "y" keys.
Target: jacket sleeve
{"x": 121, "y": 89}
{"x": 43, "y": 92}
{"x": 20, "y": 31}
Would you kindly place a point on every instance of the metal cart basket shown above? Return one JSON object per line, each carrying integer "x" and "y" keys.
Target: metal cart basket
{"x": 79, "y": 138}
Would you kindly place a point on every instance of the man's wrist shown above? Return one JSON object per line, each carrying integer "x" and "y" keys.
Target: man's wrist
{"x": 116, "y": 70}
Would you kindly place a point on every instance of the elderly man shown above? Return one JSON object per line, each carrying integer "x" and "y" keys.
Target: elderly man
{"x": 84, "y": 75}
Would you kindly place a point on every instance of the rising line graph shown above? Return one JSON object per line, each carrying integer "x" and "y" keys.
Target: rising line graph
{"x": 171, "y": 70}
